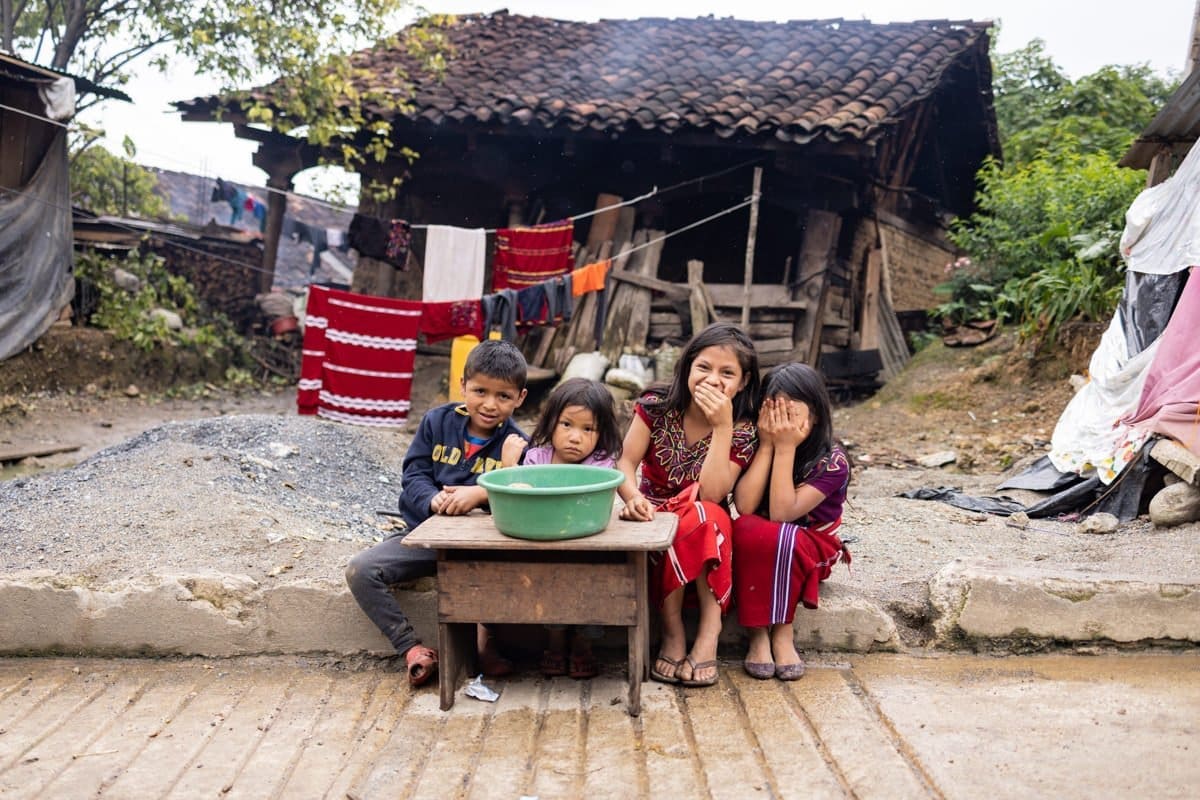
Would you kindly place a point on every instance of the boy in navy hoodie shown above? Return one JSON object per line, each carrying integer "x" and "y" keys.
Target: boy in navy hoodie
{"x": 454, "y": 444}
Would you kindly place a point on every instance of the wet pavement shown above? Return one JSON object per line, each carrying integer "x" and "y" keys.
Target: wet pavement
{"x": 869, "y": 726}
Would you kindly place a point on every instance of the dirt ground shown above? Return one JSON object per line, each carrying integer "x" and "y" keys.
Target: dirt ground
{"x": 994, "y": 405}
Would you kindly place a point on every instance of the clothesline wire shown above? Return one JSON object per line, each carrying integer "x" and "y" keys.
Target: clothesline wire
{"x": 248, "y": 266}
{"x": 655, "y": 190}
{"x": 689, "y": 226}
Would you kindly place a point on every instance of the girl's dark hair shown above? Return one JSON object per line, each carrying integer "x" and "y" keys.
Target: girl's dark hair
{"x": 802, "y": 382}
{"x": 676, "y": 396}
{"x": 592, "y": 396}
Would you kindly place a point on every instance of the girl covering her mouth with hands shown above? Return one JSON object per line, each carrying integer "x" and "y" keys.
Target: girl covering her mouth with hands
{"x": 692, "y": 440}
{"x": 795, "y": 487}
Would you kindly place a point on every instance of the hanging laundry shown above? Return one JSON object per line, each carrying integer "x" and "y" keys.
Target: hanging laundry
{"x": 369, "y": 348}
{"x": 312, "y": 350}
{"x": 399, "y": 240}
{"x": 590, "y": 278}
{"x": 452, "y": 318}
{"x": 454, "y": 263}
{"x": 559, "y": 302}
{"x": 233, "y": 195}
{"x": 529, "y": 255}
{"x": 372, "y": 237}
{"x": 500, "y": 312}
{"x": 531, "y": 305}
{"x": 336, "y": 238}
{"x": 258, "y": 209}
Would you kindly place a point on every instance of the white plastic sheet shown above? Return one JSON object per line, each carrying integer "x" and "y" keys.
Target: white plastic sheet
{"x": 1162, "y": 226}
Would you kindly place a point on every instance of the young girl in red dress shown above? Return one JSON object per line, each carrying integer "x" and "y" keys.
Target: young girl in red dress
{"x": 692, "y": 441}
{"x": 795, "y": 486}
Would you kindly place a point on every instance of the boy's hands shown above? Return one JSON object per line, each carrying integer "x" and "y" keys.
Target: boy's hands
{"x": 510, "y": 452}
{"x": 455, "y": 501}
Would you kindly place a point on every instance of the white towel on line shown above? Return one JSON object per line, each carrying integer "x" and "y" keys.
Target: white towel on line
{"x": 454, "y": 263}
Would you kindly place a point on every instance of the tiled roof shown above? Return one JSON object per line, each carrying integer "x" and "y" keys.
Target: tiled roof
{"x": 795, "y": 81}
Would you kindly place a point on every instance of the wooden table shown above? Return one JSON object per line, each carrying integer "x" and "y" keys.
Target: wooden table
{"x": 487, "y": 577}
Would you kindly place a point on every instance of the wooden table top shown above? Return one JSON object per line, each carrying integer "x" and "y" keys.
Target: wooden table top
{"x": 476, "y": 531}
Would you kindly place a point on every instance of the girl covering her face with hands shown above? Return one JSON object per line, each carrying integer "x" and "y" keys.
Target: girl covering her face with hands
{"x": 790, "y": 498}
{"x": 692, "y": 440}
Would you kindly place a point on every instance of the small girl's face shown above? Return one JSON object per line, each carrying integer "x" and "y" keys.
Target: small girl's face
{"x": 718, "y": 367}
{"x": 575, "y": 435}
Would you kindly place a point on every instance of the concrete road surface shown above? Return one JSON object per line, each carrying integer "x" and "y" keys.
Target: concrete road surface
{"x": 875, "y": 726}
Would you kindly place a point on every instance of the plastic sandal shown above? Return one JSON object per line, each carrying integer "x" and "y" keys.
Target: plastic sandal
{"x": 422, "y": 664}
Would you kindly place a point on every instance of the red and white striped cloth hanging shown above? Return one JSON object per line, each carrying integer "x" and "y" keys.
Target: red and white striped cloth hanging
{"x": 358, "y": 357}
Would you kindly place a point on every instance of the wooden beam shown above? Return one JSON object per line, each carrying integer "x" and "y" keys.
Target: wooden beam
{"x": 869, "y": 333}
{"x": 696, "y": 301}
{"x": 20, "y": 452}
{"x": 817, "y": 254}
{"x": 751, "y": 233}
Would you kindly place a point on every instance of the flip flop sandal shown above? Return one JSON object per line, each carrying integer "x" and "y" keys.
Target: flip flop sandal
{"x": 553, "y": 664}
{"x": 789, "y": 672}
{"x": 663, "y": 677}
{"x": 696, "y": 668}
{"x": 583, "y": 667}
{"x": 422, "y": 665}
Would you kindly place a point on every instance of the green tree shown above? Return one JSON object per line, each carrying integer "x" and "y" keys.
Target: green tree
{"x": 104, "y": 183}
{"x": 1042, "y": 244}
{"x": 304, "y": 46}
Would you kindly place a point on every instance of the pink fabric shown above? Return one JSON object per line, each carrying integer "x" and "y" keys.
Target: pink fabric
{"x": 1170, "y": 401}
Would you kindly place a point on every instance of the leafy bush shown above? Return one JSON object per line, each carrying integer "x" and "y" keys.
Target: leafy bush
{"x": 1044, "y": 236}
{"x": 127, "y": 314}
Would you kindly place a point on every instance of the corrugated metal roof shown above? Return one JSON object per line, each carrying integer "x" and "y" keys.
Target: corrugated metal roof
{"x": 8, "y": 60}
{"x": 1176, "y": 125}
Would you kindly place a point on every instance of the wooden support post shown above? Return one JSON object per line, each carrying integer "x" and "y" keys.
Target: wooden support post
{"x": 869, "y": 332}
{"x": 1160, "y": 167}
{"x": 604, "y": 224}
{"x": 751, "y": 234}
{"x": 696, "y": 302}
{"x": 281, "y": 164}
{"x": 817, "y": 254}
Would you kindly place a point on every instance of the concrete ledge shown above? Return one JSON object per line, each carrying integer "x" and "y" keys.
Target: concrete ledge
{"x": 980, "y": 600}
{"x": 844, "y": 621}
{"x": 207, "y": 615}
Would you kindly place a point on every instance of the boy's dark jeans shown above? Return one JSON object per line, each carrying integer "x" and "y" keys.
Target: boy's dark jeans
{"x": 370, "y": 575}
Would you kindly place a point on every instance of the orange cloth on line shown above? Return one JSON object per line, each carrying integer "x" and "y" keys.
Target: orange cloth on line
{"x": 590, "y": 278}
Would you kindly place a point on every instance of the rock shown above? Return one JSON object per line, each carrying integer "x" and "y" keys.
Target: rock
{"x": 1171, "y": 478}
{"x": 1019, "y": 519}
{"x": 126, "y": 280}
{"x": 938, "y": 459}
{"x": 132, "y": 390}
{"x": 1178, "y": 459}
{"x": 1175, "y": 505}
{"x": 172, "y": 320}
{"x": 1099, "y": 523}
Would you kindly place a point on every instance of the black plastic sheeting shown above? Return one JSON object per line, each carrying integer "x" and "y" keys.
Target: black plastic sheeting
{"x": 1125, "y": 498}
{"x": 1146, "y": 306}
{"x": 35, "y": 252}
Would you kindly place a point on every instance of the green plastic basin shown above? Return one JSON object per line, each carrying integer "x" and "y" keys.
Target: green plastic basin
{"x": 551, "y": 501}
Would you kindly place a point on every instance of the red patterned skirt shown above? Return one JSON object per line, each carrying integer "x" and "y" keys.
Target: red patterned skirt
{"x": 778, "y": 565}
{"x": 703, "y": 546}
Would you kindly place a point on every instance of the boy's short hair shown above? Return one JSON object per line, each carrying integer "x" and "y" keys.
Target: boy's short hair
{"x": 498, "y": 359}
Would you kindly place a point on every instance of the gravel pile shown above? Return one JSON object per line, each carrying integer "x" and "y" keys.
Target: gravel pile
{"x": 245, "y": 494}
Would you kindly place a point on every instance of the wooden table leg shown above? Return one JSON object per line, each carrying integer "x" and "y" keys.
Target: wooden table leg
{"x": 456, "y": 641}
{"x": 639, "y": 633}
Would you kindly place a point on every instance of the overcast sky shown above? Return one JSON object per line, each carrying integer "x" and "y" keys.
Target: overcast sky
{"x": 1079, "y": 37}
